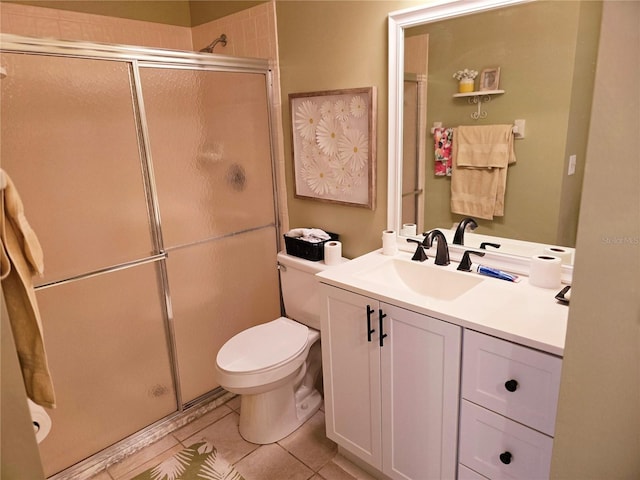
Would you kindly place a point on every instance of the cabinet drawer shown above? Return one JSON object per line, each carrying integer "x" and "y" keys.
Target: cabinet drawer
{"x": 465, "y": 473}
{"x": 515, "y": 381}
{"x": 500, "y": 448}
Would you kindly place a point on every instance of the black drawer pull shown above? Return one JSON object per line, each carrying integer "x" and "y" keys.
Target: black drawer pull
{"x": 382, "y": 334}
{"x": 369, "y": 329}
{"x": 506, "y": 458}
{"x": 511, "y": 385}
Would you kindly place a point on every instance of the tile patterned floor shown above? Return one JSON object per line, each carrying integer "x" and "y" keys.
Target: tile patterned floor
{"x": 306, "y": 454}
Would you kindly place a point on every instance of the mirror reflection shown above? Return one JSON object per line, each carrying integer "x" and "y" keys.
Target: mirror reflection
{"x": 546, "y": 54}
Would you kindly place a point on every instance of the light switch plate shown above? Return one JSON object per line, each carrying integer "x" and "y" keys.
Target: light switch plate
{"x": 572, "y": 165}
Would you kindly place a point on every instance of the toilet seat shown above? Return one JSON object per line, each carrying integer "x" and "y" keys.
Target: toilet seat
{"x": 263, "y": 347}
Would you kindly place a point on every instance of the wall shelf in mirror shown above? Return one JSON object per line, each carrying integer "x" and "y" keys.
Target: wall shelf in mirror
{"x": 478, "y": 98}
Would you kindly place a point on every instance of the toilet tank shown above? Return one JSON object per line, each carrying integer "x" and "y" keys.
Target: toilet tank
{"x": 300, "y": 290}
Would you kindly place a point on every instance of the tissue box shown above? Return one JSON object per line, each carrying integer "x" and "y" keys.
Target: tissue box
{"x": 307, "y": 250}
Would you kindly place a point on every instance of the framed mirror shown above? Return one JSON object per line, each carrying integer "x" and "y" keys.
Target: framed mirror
{"x": 547, "y": 67}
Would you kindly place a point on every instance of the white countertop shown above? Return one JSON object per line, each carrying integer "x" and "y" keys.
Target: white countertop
{"x": 518, "y": 312}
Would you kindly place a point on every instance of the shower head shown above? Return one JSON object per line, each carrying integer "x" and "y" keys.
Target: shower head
{"x": 221, "y": 39}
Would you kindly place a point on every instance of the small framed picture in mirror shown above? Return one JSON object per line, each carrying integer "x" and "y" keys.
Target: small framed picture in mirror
{"x": 490, "y": 79}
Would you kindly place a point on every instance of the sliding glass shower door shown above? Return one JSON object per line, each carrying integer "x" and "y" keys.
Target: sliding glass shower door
{"x": 150, "y": 186}
{"x": 211, "y": 154}
{"x": 70, "y": 145}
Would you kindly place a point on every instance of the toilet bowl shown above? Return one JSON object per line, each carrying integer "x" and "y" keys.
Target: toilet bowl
{"x": 275, "y": 366}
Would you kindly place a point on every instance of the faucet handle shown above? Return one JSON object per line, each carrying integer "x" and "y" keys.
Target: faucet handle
{"x": 420, "y": 255}
{"x": 465, "y": 263}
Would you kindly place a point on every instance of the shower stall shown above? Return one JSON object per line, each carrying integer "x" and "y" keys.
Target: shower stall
{"x": 148, "y": 176}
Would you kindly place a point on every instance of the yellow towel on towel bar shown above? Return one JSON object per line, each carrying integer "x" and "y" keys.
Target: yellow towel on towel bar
{"x": 481, "y": 155}
{"x": 20, "y": 258}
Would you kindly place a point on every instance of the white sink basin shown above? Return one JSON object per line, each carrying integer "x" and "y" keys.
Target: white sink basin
{"x": 426, "y": 280}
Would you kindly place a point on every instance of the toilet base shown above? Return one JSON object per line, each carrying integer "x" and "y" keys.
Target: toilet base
{"x": 271, "y": 416}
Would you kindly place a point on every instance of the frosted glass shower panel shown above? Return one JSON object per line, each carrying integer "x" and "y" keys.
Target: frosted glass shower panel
{"x": 210, "y": 146}
{"x": 218, "y": 289}
{"x": 109, "y": 360}
{"x": 70, "y": 144}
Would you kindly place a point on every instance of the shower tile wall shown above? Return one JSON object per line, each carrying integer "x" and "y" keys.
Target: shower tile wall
{"x": 250, "y": 33}
{"x": 68, "y": 25}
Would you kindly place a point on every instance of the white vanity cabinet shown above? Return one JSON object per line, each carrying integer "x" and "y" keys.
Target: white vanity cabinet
{"x": 391, "y": 385}
{"x": 508, "y": 408}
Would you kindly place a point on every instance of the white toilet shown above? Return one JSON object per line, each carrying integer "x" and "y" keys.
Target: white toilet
{"x": 275, "y": 366}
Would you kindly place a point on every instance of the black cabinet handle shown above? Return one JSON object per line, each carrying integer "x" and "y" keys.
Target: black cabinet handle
{"x": 506, "y": 457}
{"x": 382, "y": 335}
{"x": 369, "y": 329}
{"x": 511, "y": 385}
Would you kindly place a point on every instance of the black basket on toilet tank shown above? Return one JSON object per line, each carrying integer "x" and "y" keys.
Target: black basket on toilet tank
{"x": 313, "y": 251}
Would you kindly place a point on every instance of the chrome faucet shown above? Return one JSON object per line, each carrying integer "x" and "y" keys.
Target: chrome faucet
{"x": 442, "y": 253}
{"x": 458, "y": 238}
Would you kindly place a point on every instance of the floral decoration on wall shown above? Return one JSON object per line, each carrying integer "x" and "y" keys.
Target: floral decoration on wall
{"x": 333, "y": 145}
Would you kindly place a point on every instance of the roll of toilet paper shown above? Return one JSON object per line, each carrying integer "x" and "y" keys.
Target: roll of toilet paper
{"x": 41, "y": 421}
{"x": 565, "y": 255}
{"x": 546, "y": 271}
{"x": 332, "y": 253}
{"x": 389, "y": 244}
{"x": 409, "y": 230}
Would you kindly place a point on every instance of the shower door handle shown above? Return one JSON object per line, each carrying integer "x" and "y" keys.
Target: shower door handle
{"x": 369, "y": 329}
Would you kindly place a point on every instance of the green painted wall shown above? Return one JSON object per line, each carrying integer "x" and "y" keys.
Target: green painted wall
{"x": 546, "y": 51}
{"x": 598, "y": 424}
{"x": 170, "y": 12}
{"x": 183, "y": 13}
{"x": 579, "y": 118}
{"x": 326, "y": 45}
{"x": 203, "y": 11}
{"x": 536, "y": 46}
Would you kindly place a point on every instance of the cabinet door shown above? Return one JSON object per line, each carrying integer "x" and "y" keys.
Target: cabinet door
{"x": 351, "y": 369}
{"x": 420, "y": 368}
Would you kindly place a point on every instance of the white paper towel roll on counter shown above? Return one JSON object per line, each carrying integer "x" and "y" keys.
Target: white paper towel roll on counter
{"x": 565, "y": 255}
{"x": 546, "y": 271}
{"x": 41, "y": 420}
{"x": 333, "y": 253}
{"x": 389, "y": 244}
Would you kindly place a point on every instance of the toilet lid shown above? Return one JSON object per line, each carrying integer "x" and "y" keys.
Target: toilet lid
{"x": 263, "y": 346}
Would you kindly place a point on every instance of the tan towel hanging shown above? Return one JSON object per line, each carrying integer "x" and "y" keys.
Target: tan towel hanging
{"x": 481, "y": 155}
{"x": 21, "y": 258}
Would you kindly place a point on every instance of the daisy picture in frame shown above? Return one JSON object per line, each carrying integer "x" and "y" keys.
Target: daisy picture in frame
{"x": 333, "y": 137}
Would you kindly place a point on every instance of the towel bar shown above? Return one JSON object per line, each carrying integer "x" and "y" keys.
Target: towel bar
{"x": 518, "y": 128}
